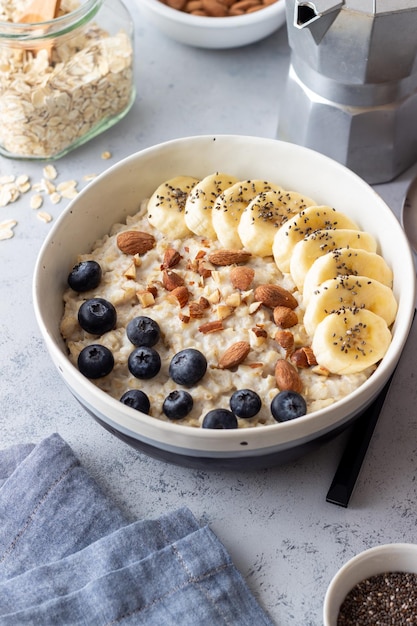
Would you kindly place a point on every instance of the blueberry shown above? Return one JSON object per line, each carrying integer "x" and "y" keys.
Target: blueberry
{"x": 187, "y": 367}
{"x": 177, "y": 404}
{"x": 95, "y": 361}
{"x": 85, "y": 276}
{"x": 219, "y": 418}
{"x": 97, "y": 316}
{"x": 136, "y": 399}
{"x": 287, "y": 405}
{"x": 143, "y": 331}
{"x": 144, "y": 362}
{"x": 245, "y": 403}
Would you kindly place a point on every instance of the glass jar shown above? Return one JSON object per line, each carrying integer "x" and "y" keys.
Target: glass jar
{"x": 65, "y": 80}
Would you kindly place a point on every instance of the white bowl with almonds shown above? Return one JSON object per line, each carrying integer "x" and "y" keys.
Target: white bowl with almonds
{"x": 214, "y": 24}
{"x": 235, "y": 289}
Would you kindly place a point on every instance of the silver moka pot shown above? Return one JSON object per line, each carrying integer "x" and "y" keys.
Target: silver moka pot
{"x": 351, "y": 91}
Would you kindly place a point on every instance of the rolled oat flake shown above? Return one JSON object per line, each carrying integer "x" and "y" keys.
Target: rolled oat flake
{"x": 388, "y": 599}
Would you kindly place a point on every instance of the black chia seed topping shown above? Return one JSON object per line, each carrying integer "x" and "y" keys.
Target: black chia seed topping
{"x": 388, "y": 599}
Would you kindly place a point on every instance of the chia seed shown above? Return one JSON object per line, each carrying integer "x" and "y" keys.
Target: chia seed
{"x": 388, "y": 599}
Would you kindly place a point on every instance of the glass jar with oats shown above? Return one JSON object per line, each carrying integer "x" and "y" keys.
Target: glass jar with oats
{"x": 65, "y": 79}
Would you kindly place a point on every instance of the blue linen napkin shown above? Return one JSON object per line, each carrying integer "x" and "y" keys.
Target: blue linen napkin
{"x": 69, "y": 555}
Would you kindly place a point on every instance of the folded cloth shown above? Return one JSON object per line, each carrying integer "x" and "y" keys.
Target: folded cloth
{"x": 11, "y": 458}
{"x": 49, "y": 507}
{"x": 69, "y": 556}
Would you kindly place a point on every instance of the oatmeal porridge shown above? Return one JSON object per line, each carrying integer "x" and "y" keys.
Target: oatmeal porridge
{"x": 237, "y": 309}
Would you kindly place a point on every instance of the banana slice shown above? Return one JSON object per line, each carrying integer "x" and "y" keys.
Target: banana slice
{"x": 200, "y": 201}
{"x": 344, "y": 261}
{"x": 349, "y": 292}
{"x": 310, "y": 219}
{"x": 318, "y": 243}
{"x": 229, "y": 206}
{"x": 350, "y": 341}
{"x": 263, "y": 216}
{"x": 166, "y": 206}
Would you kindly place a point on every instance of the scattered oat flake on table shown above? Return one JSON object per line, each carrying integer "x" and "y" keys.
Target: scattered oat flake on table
{"x": 22, "y": 179}
{"x": 69, "y": 194}
{"x": 50, "y": 172}
{"x": 106, "y": 154}
{"x": 6, "y": 229}
{"x": 7, "y": 178}
{"x": 55, "y": 197}
{"x": 68, "y": 189}
{"x": 48, "y": 186}
{"x": 5, "y": 196}
{"x": 44, "y": 216}
{"x": 11, "y": 188}
{"x": 15, "y": 193}
{"x": 66, "y": 184}
{"x": 23, "y": 183}
{"x": 36, "y": 201}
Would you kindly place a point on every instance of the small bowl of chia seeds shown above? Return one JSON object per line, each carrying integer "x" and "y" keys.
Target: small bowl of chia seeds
{"x": 378, "y": 586}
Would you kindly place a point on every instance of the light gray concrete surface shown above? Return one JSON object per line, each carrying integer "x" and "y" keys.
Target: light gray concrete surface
{"x": 283, "y": 536}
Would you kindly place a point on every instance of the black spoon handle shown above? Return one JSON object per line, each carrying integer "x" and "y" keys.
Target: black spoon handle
{"x": 354, "y": 453}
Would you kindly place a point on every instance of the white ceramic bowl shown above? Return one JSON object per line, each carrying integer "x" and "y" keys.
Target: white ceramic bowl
{"x": 392, "y": 557}
{"x": 117, "y": 192}
{"x": 214, "y": 32}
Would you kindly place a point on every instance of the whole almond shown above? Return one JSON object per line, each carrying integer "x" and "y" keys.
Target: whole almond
{"x": 135, "y": 242}
{"x": 287, "y": 377}
{"x": 229, "y": 257}
{"x": 171, "y": 280}
{"x": 242, "y": 277}
{"x": 234, "y": 355}
{"x": 218, "y": 8}
{"x": 214, "y": 8}
{"x": 245, "y": 5}
{"x": 284, "y": 316}
{"x": 176, "y": 4}
{"x": 275, "y": 295}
